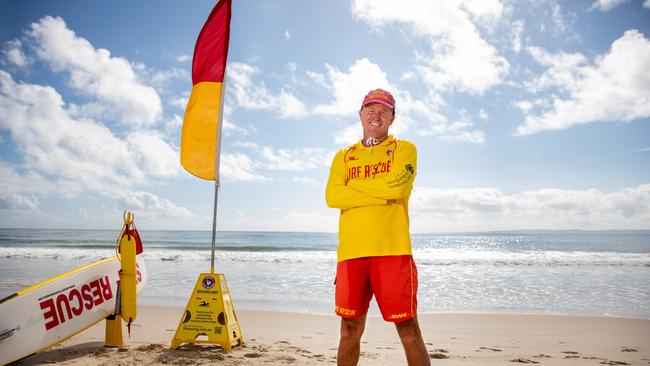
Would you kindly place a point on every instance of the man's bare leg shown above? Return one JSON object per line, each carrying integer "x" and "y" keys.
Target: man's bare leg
{"x": 350, "y": 341}
{"x": 411, "y": 337}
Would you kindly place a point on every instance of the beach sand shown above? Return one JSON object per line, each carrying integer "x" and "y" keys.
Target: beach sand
{"x": 277, "y": 338}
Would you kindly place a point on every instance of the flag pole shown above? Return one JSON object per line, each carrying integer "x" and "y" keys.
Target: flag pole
{"x": 214, "y": 224}
{"x": 217, "y": 177}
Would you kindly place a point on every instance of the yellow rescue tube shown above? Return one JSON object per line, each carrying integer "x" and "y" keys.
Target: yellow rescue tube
{"x": 128, "y": 278}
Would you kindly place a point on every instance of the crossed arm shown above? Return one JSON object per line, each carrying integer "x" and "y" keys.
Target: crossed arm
{"x": 378, "y": 190}
{"x": 339, "y": 195}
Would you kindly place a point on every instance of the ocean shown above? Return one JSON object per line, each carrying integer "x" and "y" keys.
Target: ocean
{"x": 565, "y": 272}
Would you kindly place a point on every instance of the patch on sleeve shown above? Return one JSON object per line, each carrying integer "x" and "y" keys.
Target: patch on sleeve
{"x": 409, "y": 167}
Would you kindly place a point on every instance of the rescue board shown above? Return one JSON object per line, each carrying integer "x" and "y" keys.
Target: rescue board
{"x": 40, "y": 316}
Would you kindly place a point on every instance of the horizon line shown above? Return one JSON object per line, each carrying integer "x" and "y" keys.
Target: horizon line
{"x": 467, "y": 232}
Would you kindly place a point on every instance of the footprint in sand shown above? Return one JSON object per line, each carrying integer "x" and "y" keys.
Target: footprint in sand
{"x": 253, "y": 355}
{"x": 260, "y": 348}
{"x": 571, "y": 354}
{"x": 610, "y": 362}
{"x": 628, "y": 349}
{"x": 438, "y": 356}
{"x": 523, "y": 360}
{"x": 490, "y": 349}
{"x": 286, "y": 359}
{"x": 183, "y": 361}
{"x": 216, "y": 357}
{"x": 150, "y": 347}
{"x": 370, "y": 355}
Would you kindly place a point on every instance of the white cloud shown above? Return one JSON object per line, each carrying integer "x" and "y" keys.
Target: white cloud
{"x": 319, "y": 78}
{"x": 418, "y": 116}
{"x": 307, "y": 181}
{"x": 291, "y": 66}
{"x": 229, "y": 127}
{"x": 483, "y": 9}
{"x": 477, "y": 137}
{"x": 295, "y": 159}
{"x": 560, "y": 23}
{"x": 54, "y": 143}
{"x": 17, "y": 201}
{"x": 247, "y": 145}
{"x": 150, "y": 206}
{"x": 112, "y": 80}
{"x": 19, "y": 191}
{"x": 524, "y": 105}
{"x": 517, "y": 30}
{"x": 646, "y": 4}
{"x": 183, "y": 58}
{"x": 173, "y": 126}
{"x": 253, "y": 94}
{"x": 459, "y": 130}
{"x": 28, "y": 183}
{"x": 348, "y": 88}
{"x": 612, "y": 88}
{"x": 288, "y": 105}
{"x": 284, "y": 159}
{"x": 458, "y": 57}
{"x": 152, "y": 154}
{"x": 563, "y": 69}
{"x": 350, "y": 134}
{"x": 161, "y": 78}
{"x": 238, "y": 167}
{"x": 604, "y": 5}
{"x": 180, "y": 102}
{"x": 320, "y": 221}
{"x": 287, "y": 35}
{"x": 77, "y": 155}
{"x": 475, "y": 209}
{"x": 15, "y": 55}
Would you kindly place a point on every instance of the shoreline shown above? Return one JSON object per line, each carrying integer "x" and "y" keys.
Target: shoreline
{"x": 280, "y": 338}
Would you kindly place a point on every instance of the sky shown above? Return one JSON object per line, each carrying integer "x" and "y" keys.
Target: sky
{"x": 527, "y": 114}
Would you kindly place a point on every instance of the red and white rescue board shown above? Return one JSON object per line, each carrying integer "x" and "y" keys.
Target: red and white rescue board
{"x": 40, "y": 316}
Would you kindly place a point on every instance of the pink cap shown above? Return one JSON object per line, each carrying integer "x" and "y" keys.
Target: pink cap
{"x": 379, "y": 96}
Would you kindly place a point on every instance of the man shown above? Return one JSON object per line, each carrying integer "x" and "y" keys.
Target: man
{"x": 371, "y": 182}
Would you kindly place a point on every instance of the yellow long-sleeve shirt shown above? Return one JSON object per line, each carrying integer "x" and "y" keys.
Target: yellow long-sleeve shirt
{"x": 372, "y": 186}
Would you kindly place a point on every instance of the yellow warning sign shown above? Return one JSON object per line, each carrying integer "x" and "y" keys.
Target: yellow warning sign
{"x": 209, "y": 316}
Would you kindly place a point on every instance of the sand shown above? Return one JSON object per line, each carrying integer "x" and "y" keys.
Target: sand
{"x": 277, "y": 338}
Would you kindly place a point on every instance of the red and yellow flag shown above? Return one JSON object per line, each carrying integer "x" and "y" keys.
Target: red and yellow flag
{"x": 201, "y": 134}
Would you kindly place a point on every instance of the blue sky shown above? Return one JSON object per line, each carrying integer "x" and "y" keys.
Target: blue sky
{"x": 526, "y": 114}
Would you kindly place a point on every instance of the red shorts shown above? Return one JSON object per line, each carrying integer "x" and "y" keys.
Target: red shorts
{"x": 392, "y": 279}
